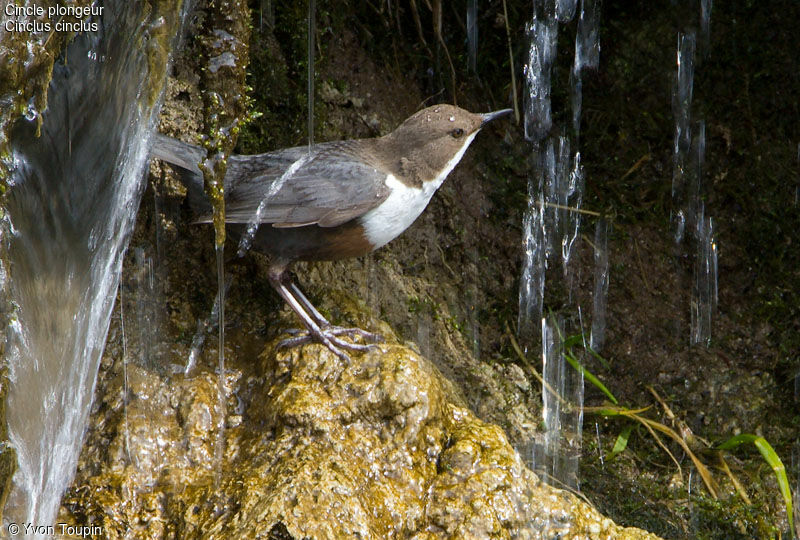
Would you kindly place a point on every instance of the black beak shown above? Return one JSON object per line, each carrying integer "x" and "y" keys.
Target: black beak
{"x": 488, "y": 117}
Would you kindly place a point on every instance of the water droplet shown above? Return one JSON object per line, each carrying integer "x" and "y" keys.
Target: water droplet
{"x": 30, "y": 111}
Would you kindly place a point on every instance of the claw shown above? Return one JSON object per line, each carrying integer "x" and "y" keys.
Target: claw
{"x": 329, "y": 336}
{"x": 318, "y": 327}
{"x": 331, "y": 331}
{"x": 355, "y": 331}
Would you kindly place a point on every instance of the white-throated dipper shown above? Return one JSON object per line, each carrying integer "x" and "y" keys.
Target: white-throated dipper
{"x": 343, "y": 199}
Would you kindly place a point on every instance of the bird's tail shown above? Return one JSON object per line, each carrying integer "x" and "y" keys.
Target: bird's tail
{"x": 179, "y": 153}
{"x": 184, "y": 158}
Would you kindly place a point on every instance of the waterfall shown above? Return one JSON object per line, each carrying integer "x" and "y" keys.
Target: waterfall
{"x": 74, "y": 195}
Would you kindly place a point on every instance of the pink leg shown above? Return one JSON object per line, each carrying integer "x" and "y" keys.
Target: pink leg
{"x": 318, "y": 327}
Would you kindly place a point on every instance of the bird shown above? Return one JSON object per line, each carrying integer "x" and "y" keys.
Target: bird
{"x": 331, "y": 201}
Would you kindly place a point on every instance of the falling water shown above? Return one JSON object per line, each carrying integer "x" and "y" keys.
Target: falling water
{"x": 587, "y": 55}
{"x": 541, "y": 53}
{"x": 222, "y": 394}
{"x": 551, "y": 398}
{"x": 556, "y": 191}
{"x": 600, "y": 297}
{"x": 224, "y": 111}
{"x": 573, "y": 199}
{"x": 693, "y": 175}
{"x": 252, "y": 225}
{"x": 551, "y": 227}
{"x": 531, "y": 283}
{"x": 705, "y": 26}
{"x": 688, "y": 189}
{"x": 266, "y": 15}
{"x": 311, "y": 66}
{"x": 147, "y": 296}
{"x": 565, "y": 10}
{"x": 599, "y": 446}
{"x": 704, "y": 282}
{"x": 203, "y": 327}
{"x": 587, "y": 40}
{"x": 681, "y": 109}
{"x": 472, "y": 34}
{"x": 562, "y": 411}
{"x": 75, "y": 192}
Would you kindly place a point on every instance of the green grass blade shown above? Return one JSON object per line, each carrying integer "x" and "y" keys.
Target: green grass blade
{"x": 621, "y": 442}
{"x": 579, "y": 339}
{"x": 589, "y": 376}
{"x": 736, "y": 440}
{"x": 599, "y": 358}
{"x": 772, "y": 459}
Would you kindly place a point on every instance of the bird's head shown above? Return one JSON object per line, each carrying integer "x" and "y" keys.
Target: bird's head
{"x": 432, "y": 141}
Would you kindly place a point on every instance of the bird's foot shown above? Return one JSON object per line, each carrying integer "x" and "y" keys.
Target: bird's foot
{"x": 329, "y": 336}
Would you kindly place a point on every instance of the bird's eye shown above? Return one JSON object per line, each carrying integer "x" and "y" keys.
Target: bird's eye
{"x": 457, "y": 133}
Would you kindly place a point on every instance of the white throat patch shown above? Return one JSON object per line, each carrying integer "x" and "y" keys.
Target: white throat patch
{"x": 386, "y": 222}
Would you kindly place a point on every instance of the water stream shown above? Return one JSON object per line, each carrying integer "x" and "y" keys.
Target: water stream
{"x": 312, "y": 28}
{"x": 562, "y": 412}
{"x": 75, "y": 193}
{"x": 551, "y": 228}
{"x": 600, "y": 296}
{"x": 472, "y": 34}
{"x": 681, "y": 110}
{"x": 689, "y": 191}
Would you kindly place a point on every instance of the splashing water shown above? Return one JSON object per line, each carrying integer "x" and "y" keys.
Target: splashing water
{"x": 247, "y": 238}
{"x": 75, "y": 193}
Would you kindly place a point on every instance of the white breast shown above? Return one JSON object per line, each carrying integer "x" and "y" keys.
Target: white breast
{"x": 386, "y": 222}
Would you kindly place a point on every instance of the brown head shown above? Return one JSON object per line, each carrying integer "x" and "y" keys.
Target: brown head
{"x": 432, "y": 141}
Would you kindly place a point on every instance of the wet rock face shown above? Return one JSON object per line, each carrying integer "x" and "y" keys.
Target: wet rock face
{"x": 314, "y": 448}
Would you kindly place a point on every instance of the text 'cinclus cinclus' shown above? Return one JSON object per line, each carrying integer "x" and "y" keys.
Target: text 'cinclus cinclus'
{"x": 343, "y": 199}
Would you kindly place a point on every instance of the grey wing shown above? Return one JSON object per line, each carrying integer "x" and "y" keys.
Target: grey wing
{"x": 328, "y": 187}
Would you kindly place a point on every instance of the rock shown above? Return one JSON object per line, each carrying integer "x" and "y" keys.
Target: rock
{"x": 381, "y": 447}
